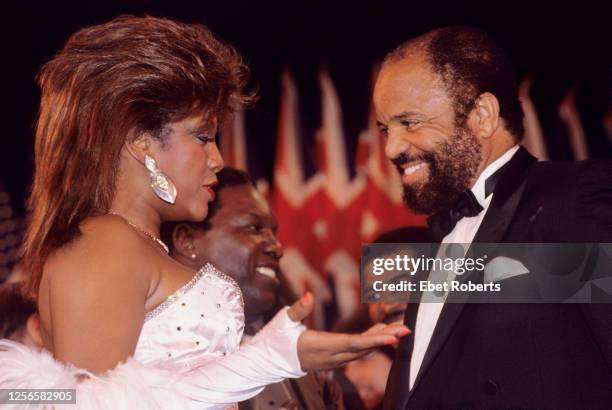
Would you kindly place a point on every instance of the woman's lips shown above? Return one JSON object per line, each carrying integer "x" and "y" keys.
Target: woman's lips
{"x": 210, "y": 192}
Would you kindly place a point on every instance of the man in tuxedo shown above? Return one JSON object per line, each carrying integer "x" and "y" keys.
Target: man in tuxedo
{"x": 447, "y": 104}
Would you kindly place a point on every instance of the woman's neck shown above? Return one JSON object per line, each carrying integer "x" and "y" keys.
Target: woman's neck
{"x": 133, "y": 197}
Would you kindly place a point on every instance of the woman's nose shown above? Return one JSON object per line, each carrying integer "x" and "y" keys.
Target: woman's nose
{"x": 215, "y": 161}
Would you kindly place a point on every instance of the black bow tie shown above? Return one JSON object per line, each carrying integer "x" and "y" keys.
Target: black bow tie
{"x": 442, "y": 222}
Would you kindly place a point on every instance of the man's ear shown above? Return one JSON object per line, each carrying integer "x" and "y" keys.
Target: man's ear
{"x": 183, "y": 237}
{"x": 484, "y": 118}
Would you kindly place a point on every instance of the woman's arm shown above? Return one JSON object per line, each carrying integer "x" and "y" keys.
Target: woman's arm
{"x": 282, "y": 349}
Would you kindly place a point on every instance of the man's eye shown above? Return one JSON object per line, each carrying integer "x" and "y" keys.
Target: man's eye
{"x": 409, "y": 124}
{"x": 383, "y": 131}
{"x": 253, "y": 227}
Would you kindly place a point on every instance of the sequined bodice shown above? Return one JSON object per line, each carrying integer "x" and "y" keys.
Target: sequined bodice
{"x": 204, "y": 317}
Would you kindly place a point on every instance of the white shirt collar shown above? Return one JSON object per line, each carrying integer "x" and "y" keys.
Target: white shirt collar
{"x": 479, "y": 186}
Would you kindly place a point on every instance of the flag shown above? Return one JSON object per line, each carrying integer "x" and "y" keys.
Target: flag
{"x": 533, "y": 140}
{"x": 570, "y": 117}
{"x": 324, "y": 219}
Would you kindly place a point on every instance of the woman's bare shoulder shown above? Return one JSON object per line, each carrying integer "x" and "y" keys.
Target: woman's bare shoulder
{"x": 107, "y": 249}
{"x": 97, "y": 288}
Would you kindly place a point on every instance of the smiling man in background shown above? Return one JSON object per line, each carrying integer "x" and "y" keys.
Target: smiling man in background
{"x": 239, "y": 238}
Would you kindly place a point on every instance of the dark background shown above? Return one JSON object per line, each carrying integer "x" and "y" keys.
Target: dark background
{"x": 561, "y": 44}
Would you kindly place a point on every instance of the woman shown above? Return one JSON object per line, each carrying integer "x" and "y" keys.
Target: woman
{"x": 126, "y": 140}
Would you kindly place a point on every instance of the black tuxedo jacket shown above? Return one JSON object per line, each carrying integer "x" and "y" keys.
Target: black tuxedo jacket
{"x": 552, "y": 356}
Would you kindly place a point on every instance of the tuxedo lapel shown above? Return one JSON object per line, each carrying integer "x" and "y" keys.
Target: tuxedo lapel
{"x": 506, "y": 196}
{"x": 397, "y": 391}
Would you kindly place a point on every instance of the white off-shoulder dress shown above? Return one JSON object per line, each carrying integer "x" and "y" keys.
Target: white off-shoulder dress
{"x": 188, "y": 355}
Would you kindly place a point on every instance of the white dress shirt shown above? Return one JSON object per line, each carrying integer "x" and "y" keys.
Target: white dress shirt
{"x": 463, "y": 233}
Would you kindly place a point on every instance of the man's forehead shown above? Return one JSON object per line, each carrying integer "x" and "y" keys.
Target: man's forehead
{"x": 407, "y": 85}
{"x": 412, "y": 70}
{"x": 242, "y": 199}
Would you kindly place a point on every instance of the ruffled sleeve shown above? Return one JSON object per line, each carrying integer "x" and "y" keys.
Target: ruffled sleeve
{"x": 130, "y": 385}
{"x": 209, "y": 382}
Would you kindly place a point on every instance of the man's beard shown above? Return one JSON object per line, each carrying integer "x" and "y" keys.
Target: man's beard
{"x": 452, "y": 167}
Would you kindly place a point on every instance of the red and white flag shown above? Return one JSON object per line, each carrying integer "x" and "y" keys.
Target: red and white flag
{"x": 324, "y": 219}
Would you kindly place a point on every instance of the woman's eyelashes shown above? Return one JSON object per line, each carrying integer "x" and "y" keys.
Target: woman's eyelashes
{"x": 205, "y": 138}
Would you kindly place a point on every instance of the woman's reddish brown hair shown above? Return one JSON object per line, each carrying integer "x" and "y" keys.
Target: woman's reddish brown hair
{"x": 110, "y": 81}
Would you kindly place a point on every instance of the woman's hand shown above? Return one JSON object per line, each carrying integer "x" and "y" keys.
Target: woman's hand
{"x": 326, "y": 350}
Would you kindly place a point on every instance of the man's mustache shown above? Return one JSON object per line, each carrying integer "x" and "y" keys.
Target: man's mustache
{"x": 404, "y": 158}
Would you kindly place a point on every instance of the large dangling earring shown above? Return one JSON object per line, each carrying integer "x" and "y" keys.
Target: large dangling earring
{"x": 161, "y": 184}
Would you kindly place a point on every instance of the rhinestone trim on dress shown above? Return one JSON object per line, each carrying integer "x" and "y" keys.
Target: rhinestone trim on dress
{"x": 173, "y": 297}
{"x": 209, "y": 269}
{"x": 206, "y": 270}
